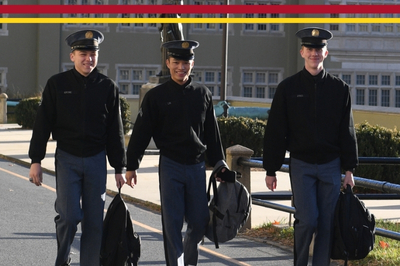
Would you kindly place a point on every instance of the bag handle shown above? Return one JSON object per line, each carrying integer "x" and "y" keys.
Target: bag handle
{"x": 349, "y": 189}
{"x": 212, "y": 182}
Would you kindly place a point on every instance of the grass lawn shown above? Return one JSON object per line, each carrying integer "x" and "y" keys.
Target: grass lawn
{"x": 386, "y": 251}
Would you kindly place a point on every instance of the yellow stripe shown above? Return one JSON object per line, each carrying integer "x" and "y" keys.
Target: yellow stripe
{"x": 232, "y": 260}
{"x": 200, "y": 20}
{"x": 27, "y": 179}
{"x": 207, "y": 250}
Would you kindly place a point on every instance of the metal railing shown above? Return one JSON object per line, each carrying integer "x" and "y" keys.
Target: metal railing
{"x": 386, "y": 187}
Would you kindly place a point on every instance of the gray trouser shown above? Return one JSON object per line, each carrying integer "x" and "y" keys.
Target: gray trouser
{"x": 183, "y": 196}
{"x": 315, "y": 192}
{"x": 80, "y": 179}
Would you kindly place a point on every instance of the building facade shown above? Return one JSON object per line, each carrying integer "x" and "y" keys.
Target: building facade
{"x": 259, "y": 56}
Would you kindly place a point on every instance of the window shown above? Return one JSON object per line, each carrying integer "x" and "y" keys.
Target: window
{"x": 247, "y": 77}
{"x": 397, "y": 92}
{"x": 397, "y": 98}
{"x": 208, "y": 28}
{"x": 3, "y": 26}
{"x": 248, "y": 92}
{"x": 259, "y": 83}
{"x": 211, "y": 82}
{"x": 260, "y": 78}
{"x": 131, "y": 78}
{"x": 360, "y": 97}
{"x": 273, "y": 78}
{"x": 388, "y": 27}
{"x": 211, "y": 78}
{"x": 76, "y": 15}
{"x": 264, "y": 28}
{"x": 271, "y": 92}
{"x": 360, "y": 80}
{"x": 260, "y": 92}
{"x": 364, "y": 28}
{"x": 274, "y": 26}
{"x": 351, "y": 26}
{"x": 385, "y": 98}
{"x": 346, "y": 78}
{"x": 375, "y": 27}
{"x": 373, "y": 79}
{"x": 372, "y": 97}
{"x": 334, "y": 27}
{"x": 137, "y": 27}
{"x": 385, "y": 80}
{"x": 373, "y": 89}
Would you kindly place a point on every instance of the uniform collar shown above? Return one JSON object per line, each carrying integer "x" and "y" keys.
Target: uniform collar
{"x": 187, "y": 85}
{"x": 316, "y": 78}
{"x": 92, "y": 74}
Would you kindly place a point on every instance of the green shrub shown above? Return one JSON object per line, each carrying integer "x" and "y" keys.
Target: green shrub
{"x": 377, "y": 141}
{"x": 243, "y": 131}
{"x": 373, "y": 141}
{"x": 25, "y": 112}
{"x": 125, "y": 114}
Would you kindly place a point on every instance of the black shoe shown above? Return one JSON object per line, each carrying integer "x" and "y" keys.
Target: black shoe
{"x": 68, "y": 263}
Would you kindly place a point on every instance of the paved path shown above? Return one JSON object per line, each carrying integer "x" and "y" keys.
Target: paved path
{"x": 14, "y": 143}
{"x": 27, "y": 231}
{"x": 27, "y": 227}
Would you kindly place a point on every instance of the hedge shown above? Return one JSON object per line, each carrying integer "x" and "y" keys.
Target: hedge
{"x": 244, "y": 131}
{"x": 373, "y": 141}
{"x": 125, "y": 114}
{"x": 26, "y": 110}
{"x": 377, "y": 141}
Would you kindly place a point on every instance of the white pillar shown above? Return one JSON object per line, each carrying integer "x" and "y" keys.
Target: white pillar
{"x": 3, "y": 108}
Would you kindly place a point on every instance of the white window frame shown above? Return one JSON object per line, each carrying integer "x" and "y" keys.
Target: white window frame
{"x": 397, "y": 97}
{"x": 358, "y": 101}
{"x": 75, "y": 26}
{"x": 270, "y": 28}
{"x": 207, "y": 28}
{"x": 365, "y": 29}
{"x": 130, "y": 82}
{"x": 385, "y": 81}
{"x": 383, "y": 97}
{"x": 138, "y": 27}
{"x": 199, "y": 74}
{"x": 270, "y": 86}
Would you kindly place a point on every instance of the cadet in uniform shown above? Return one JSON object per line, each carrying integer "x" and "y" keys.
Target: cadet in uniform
{"x": 179, "y": 115}
{"x": 311, "y": 117}
{"x": 80, "y": 108}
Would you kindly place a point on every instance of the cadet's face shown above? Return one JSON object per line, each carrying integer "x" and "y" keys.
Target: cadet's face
{"x": 179, "y": 69}
{"x": 314, "y": 58}
{"x": 84, "y": 61}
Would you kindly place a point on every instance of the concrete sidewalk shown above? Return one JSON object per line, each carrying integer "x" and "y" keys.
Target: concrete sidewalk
{"x": 14, "y": 143}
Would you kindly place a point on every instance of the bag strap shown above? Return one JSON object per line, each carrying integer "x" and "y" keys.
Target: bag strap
{"x": 213, "y": 183}
{"x": 349, "y": 195}
{"x": 239, "y": 197}
{"x": 214, "y": 221}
